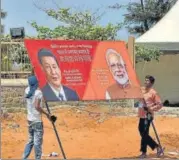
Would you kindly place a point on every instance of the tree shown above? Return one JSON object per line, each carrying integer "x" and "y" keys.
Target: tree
{"x": 144, "y": 53}
{"x": 142, "y": 15}
{"x": 14, "y": 53}
{"x": 3, "y": 15}
{"x": 76, "y": 25}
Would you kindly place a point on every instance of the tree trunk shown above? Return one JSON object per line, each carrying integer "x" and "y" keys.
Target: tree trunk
{"x": 146, "y": 27}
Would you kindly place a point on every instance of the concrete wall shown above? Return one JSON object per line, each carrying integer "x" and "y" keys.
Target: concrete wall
{"x": 166, "y": 72}
{"x": 13, "y": 100}
{"x": 12, "y": 97}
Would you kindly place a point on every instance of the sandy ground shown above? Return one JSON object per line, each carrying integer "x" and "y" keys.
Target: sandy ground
{"x": 87, "y": 134}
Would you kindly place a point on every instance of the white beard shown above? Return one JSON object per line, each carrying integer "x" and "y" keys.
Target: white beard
{"x": 122, "y": 81}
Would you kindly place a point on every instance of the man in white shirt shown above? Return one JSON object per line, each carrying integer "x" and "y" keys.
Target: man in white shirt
{"x": 34, "y": 116}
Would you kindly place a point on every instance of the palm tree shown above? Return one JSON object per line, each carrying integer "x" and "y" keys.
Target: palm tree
{"x": 3, "y": 15}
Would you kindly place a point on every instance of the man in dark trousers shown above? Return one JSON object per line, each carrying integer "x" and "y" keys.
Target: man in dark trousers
{"x": 54, "y": 90}
{"x": 150, "y": 103}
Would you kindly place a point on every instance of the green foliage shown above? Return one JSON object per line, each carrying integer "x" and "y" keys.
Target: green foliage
{"x": 19, "y": 55}
{"x": 76, "y": 25}
{"x": 14, "y": 52}
{"x": 5, "y": 38}
{"x": 144, "y": 53}
{"x": 6, "y": 64}
{"x": 143, "y": 14}
{"x": 19, "y": 52}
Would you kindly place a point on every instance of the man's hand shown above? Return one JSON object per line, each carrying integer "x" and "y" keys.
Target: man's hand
{"x": 52, "y": 118}
{"x": 151, "y": 108}
{"x": 149, "y": 117}
{"x": 146, "y": 108}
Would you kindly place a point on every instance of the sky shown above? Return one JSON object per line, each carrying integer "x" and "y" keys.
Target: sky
{"x": 20, "y": 12}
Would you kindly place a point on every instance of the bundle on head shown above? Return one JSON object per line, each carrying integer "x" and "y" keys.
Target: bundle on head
{"x": 33, "y": 84}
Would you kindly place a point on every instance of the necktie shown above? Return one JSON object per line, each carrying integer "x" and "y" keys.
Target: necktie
{"x": 61, "y": 97}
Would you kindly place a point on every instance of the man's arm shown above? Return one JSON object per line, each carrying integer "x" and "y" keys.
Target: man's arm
{"x": 39, "y": 108}
{"x": 157, "y": 103}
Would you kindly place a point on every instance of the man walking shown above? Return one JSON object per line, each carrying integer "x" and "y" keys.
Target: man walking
{"x": 151, "y": 103}
{"x": 34, "y": 116}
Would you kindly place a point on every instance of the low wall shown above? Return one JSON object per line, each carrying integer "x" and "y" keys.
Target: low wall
{"x": 13, "y": 99}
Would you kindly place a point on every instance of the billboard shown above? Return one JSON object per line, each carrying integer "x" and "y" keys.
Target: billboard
{"x": 83, "y": 70}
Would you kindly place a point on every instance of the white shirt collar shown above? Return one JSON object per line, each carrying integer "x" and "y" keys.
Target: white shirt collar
{"x": 57, "y": 91}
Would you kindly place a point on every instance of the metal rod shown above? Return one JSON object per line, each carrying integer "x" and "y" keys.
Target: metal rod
{"x": 58, "y": 138}
{"x": 153, "y": 126}
{"x": 157, "y": 137}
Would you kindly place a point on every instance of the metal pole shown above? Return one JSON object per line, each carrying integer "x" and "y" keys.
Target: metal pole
{"x": 58, "y": 138}
{"x": 149, "y": 117}
{"x": 155, "y": 131}
{"x": 0, "y": 79}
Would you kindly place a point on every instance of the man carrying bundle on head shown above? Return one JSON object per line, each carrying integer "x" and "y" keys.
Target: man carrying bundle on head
{"x": 34, "y": 98}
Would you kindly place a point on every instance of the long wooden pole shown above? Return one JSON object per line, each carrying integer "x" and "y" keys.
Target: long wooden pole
{"x": 131, "y": 51}
{"x": 56, "y": 133}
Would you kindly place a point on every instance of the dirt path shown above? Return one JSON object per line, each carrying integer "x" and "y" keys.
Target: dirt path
{"x": 87, "y": 135}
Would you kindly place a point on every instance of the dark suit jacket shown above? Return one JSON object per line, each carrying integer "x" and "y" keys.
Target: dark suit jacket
{"x": 49, "y": 95}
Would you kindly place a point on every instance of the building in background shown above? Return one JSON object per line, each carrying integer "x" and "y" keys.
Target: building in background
{"x": 165, "y": 36}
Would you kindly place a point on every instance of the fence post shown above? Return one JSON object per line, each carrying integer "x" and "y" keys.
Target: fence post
{"x": 131, "y": 51}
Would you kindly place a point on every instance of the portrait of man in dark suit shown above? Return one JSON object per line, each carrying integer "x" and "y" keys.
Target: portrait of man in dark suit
{"x": 54, "y": 90}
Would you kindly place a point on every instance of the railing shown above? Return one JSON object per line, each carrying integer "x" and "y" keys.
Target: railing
{"x": 15, "y": 60}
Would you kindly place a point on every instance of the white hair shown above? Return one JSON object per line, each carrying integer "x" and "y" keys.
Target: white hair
{"x": 125, "y": 79}
{"x": 112, "y": 51}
